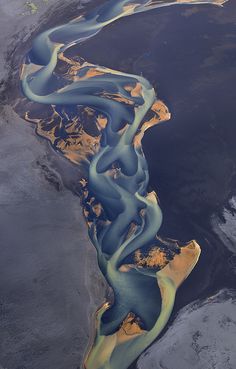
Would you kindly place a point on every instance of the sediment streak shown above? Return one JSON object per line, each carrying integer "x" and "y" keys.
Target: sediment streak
{"x": 123, "y": 218}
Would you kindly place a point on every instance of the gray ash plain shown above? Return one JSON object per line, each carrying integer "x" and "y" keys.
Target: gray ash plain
{"x": 188, "y": 53}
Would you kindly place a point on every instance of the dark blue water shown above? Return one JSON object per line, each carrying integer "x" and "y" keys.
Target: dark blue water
{"x": 189, "y": 55}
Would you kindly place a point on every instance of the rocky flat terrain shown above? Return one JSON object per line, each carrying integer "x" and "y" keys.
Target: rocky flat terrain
{"x": 50, "y": 284}
{"x": 202, "y": 337}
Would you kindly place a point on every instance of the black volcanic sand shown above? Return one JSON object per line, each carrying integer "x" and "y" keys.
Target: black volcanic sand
{"x": 189, "y": 54}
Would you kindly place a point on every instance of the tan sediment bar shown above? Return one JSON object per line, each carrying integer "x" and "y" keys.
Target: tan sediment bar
{"x": 121, "y": 348}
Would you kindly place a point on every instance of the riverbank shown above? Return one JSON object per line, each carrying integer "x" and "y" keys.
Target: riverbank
{"x": 50, "y": 282}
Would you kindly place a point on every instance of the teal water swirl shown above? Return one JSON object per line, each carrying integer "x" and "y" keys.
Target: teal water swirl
{"x": 123, "y": 218}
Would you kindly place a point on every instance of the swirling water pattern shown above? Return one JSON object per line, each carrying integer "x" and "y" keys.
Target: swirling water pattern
{"x": 123, "y": 218}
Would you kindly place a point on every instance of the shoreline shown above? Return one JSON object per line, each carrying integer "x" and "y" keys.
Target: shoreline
{"x": 44, "y": 183}
{"x": 51, "y": 160}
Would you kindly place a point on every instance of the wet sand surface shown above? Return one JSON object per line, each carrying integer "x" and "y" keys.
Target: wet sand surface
{"x": 188, "y": 54}
{"x": 43, "y": 259}
{"x": 50, "y": 283}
